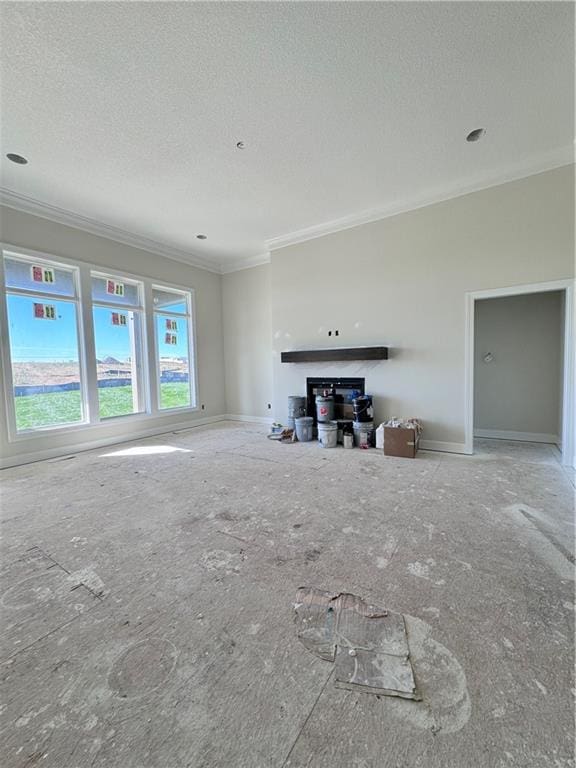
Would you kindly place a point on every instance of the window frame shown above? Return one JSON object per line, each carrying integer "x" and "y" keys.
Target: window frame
{"x": 86, "y": 346}
{"x": 139, "y": 341}
{"x": 32, "y": 257}
{"x": 190, "y": 318}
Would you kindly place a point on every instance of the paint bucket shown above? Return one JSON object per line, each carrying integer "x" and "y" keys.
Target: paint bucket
{"x": 296, "y": 406}
{"x": 328, "y": 434}
{"x": 364, "y": 434}
{"x": 296, "y": 409}
{"x": 363, "y": 408}
{"x": 354, "y": 393}
{"x": 304, "y": 427}
{"x": 344, "y": 425}
{"x": 324, "y": 408}
{"x": 348, "y": 440}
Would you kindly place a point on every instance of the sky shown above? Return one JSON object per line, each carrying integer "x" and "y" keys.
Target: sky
{"x": 46, "y": 340}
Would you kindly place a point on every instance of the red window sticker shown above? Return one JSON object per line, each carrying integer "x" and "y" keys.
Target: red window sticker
{"x": 44, "y": 311}
{"x": 115, "y": 318}
{"x": 42, "y": 274}
{"x": 114, "y": 288}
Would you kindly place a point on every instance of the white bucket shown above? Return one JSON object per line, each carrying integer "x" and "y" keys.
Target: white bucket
{"x": 304, "y": 428}
{"x": 364, "y": 434}
{"x": 328, "y": 434}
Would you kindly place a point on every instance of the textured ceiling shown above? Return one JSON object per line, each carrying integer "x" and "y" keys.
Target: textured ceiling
{"x": 129, "y": 113}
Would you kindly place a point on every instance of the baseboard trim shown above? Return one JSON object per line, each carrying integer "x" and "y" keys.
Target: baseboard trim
{"x": 526, "y": 437}
{"x": 90, "y": 445}
{"x": 439, "y": 445}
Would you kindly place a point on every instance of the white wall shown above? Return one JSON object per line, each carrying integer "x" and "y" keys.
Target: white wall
{"x": 247, "y": 311}
{"x": 402, "y": 281}
{"x": 26, "y": 231}
{"x": 519, "y": 391}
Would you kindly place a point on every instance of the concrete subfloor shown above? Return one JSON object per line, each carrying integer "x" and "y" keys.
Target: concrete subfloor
{"x": 147, "y": 605}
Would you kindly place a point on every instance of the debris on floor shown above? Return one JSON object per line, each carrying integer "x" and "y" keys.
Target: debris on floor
{"x": 88, "y": 578}
{"x": 283, "y": 434}
{"x": 368, "y": 644}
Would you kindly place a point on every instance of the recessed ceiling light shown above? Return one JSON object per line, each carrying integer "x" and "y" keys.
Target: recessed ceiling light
{"x": 17, "y": 158}
{"x": 240, "y": 145}
{"x": 201, "y": 237}
{"x": 476, "y": 134}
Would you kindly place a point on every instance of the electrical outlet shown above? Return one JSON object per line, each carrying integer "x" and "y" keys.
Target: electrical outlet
{"x": 203, "y": 406}
{"x": 336, "y": 333}
{"x": 329, "y": 333}
{"x": 269, "y": 406}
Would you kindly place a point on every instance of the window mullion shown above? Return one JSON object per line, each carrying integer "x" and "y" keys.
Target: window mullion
{"x": 43, "y": 296}
{"x": 8, "y": 382}
{"x": 152, "y": 362}
{"x": 88, "y": 347}
{"x": 118, "y": 307}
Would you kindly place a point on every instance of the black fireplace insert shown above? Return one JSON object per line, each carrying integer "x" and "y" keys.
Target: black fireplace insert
{"x": 340, "y": 388}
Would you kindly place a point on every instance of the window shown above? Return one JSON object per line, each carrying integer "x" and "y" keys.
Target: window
{"x": 43, "y": 328}
{"x": 118, "y": 334}
{"x": 74, "y": 345}
{"x": 172, "y": 312}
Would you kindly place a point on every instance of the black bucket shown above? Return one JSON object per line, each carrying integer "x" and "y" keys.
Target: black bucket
{"x": 363, "y": 408}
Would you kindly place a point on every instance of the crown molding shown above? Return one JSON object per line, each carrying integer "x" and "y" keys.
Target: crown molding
{"x": 61, "y": 216}
{"x": 245, "y": 263}
{"x": 544, "y": 162}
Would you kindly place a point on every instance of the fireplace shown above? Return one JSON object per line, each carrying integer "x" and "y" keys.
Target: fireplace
{"x": 340, "y": 388}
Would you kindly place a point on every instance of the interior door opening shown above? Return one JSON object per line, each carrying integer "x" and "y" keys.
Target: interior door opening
{"x": 520, "y": 370}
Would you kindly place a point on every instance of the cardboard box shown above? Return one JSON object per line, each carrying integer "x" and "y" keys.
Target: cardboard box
{"x": 400, "y": 442}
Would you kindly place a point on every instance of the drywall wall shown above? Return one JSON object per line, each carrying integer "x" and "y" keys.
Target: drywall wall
{"x": 518, "y": 365}
{"x": 402, "y": 281}
{"x": 247, "y": 316}
{"x": 35, "y": 233}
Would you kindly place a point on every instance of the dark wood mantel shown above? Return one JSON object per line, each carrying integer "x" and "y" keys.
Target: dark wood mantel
{"x": 336, "y": 353}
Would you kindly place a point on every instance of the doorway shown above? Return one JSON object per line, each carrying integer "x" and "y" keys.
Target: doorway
{"x": 519, "y": 366}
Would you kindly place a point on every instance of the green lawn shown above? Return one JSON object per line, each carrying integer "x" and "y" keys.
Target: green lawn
{"x": 64, "y": 407}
